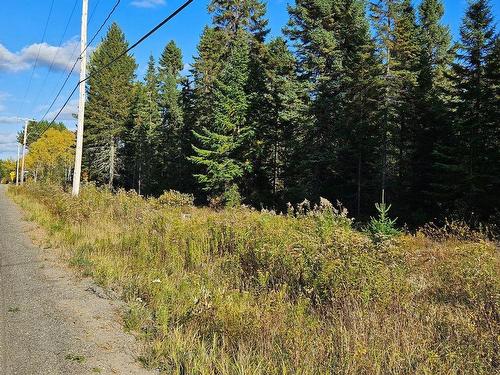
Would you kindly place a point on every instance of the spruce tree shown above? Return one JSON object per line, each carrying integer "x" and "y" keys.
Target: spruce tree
{"x": 406, "y": 55}
{"x": 477, "y": 132}
{"x": 170, "y": 145}
{"x": 277, "y": 120}
{"x": 337, "y": 62}
{"x": 144, "y": 135}
{"x": 219, "y": 144}
{"x": 108, "y": 108}
{"x": 398, "y": 47}
{"x": 433, "y": 129}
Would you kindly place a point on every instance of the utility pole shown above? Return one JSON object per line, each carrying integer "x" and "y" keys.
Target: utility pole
{"x": 17, "y": 164}
{"x": 81, "y": 102}
{"x": 24, "y": 149}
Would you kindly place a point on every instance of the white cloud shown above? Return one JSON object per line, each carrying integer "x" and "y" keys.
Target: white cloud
{"x": 8, "y": 138}
{"x": 11, "y": 61}
{"x": 147, "y": 3}
{"x": 62, "y": 57}
{"x": 9, "y": 120}
{"x": 8, "y": 145}
{"x": 67, "y": 113}
{"x": 3, "y": 96}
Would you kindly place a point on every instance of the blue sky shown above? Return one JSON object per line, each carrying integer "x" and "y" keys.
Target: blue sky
{"x": 21, "y": 29}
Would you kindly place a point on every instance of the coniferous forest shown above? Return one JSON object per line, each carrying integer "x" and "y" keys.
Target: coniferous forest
{"x": 210, "y": 203}
{"x": 357, "y": 102}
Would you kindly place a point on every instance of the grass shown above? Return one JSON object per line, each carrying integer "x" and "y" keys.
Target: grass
{"x": 240, "y": 291}
{"x": 75, "y": 358}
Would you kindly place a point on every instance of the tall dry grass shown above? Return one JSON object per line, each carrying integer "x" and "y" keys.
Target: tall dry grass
{"x": 244, "y": 292}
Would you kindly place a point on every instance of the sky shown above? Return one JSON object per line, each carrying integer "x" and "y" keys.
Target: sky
{"x": 22, "y": 24}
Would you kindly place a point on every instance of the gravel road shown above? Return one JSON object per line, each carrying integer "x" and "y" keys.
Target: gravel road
{"x": 52, "y": 322}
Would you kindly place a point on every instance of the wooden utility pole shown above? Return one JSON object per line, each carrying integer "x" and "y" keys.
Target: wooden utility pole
{"x": 17, "y": 164}
{"x": 24, "y": 149}
{"x": 81, "y": 102}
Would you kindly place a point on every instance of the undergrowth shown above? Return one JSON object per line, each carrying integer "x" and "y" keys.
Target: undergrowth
{"x": 238, "y": 291}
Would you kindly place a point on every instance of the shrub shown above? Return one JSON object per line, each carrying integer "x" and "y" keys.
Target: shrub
{"x": 240, "y": 291}
{"x": 173, "y": 198}
{"x": 382, "y": 227}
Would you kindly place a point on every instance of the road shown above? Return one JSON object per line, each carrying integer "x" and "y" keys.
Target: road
{"x": 51, "y": 321}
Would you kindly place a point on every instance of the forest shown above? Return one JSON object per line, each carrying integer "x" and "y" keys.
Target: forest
{"x": 357, "y": 102}
{"x": 233, "y": 208}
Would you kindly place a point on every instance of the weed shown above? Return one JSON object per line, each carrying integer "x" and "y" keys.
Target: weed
{"x": 75, "y": 358}
{"x": 235, "y": 290}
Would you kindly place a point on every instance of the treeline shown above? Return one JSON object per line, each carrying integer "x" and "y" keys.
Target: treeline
{"x": 356, "y": 101}
{"x": 50, "y": 158}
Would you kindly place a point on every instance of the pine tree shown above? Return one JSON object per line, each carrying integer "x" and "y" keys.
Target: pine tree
{"x": 219, "y": 147}
{"x": 108, "y": 108}
{"x": 36, "y": 129}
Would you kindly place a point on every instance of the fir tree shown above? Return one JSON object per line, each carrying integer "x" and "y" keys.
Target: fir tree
{"x": 170, "y": 66}
{"x": 205, "y": 71}
{"x": 433, "y": 125}
{"x": 276, "y": 120}
{"x": 108, "y": 108}
{"x": 477, "y": 147}
{"x": 145, "y": 136}
{"x": 398, "y": 47}
{"x": 234, "y": 16}
{"x": 170, "y": 146}
{"x": 219, "y": 145}
{"x": 336, "y": 59}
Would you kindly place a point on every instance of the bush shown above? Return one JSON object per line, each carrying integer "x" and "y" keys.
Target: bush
{"x": 240, "y": 291}
{"x": 173, "y": 198}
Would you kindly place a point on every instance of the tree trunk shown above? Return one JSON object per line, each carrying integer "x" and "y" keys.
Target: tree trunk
{"x": 359, "y": 186}
{"x": 111, "y": 163}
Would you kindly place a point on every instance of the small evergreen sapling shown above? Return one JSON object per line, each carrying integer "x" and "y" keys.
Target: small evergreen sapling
{"x": 383, "y": 227}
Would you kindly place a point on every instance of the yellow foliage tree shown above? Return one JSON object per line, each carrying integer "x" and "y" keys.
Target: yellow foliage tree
{"x": 52, "y": 155}
{"x": 7, "y": 168}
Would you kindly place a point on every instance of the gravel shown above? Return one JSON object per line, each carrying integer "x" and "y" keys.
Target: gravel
{"x": 52, "y": 321}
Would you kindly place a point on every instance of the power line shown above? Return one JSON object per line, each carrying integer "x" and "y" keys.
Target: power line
{"x": 58, "y": 47}
{"x": 92, "y": 12}
{"x": 37, "y": 55}
{"x": 66, "y": 70}
{"x": 144, "y": 37}
{"x": 79, "y": 57}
